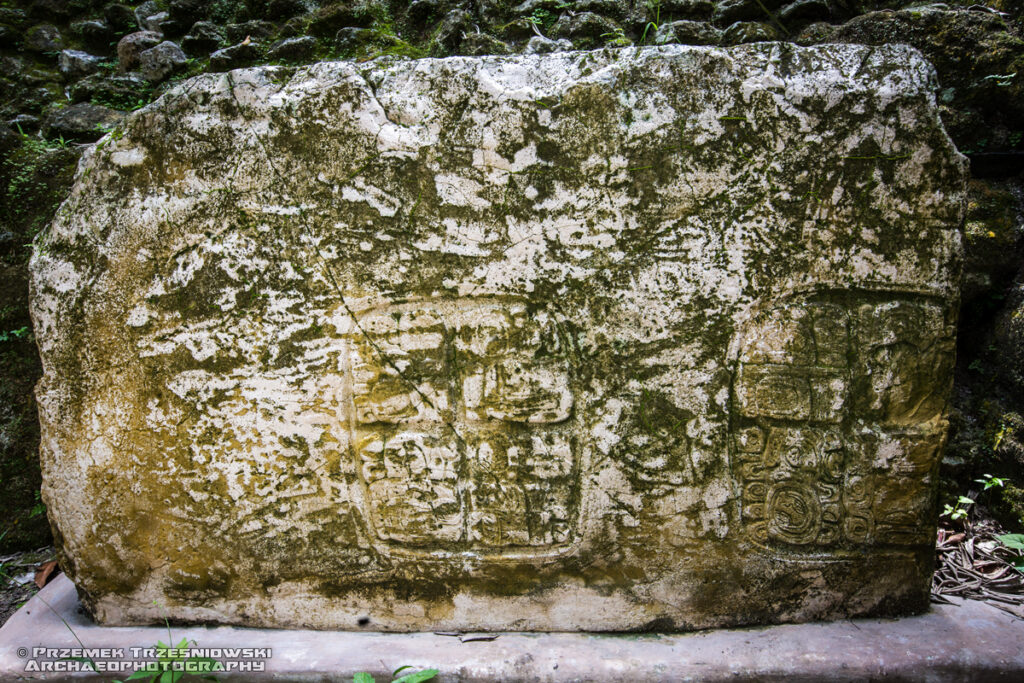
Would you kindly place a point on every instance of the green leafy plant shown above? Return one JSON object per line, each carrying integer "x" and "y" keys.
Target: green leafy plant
{"x": 616, "y": 38}
{"x": 963, "y": 504}
{"x": 1014, "y": 542}
{"x": 414, "y": 677}
{"x": 988, "y": 481}
{"x": 960, "y": 510}
{"x": 542, "y": 19}
{"x": 171, "y": 664}
{"x": 20, "y": 333}
{"x": 1001, "y": 434}
{"x": 39, "y": 508}
{"x": 656, "y": 8}
{"x": 1001, "y": 80}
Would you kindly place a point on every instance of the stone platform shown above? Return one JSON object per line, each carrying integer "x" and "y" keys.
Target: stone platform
{"x": 969, "y": 642}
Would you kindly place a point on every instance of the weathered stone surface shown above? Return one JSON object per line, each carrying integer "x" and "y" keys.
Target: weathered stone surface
{"x": 235, "y": 56}
{"x": 160, "y": 61}
{"x": 971, "y": 642}
{"x": 203, "y": 38}
{"x": 293, "y": 48}
{"x": 84, "y": 122}
{"x": 43, "y": 38}
{"x": 132, "y": 45}
{"x": 75, "y": 63}
{"x": 688, "y": 33}
{"x": 653, "y": 338}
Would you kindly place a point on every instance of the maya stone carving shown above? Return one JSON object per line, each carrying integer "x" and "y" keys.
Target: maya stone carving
{"x": 654, "y": 338}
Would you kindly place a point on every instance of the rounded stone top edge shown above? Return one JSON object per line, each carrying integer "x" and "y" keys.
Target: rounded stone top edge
{"x": 903, "y": 57}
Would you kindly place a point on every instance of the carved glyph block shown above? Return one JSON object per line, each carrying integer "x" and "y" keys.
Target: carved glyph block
{"x": 654, "y": 338}
{"x": 445, "y": 396}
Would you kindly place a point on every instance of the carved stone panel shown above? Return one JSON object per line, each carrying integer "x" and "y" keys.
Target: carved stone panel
{"x": 636, "y": 339}
{"x": 839, "y": 420}
{"x": 462, "y": 427}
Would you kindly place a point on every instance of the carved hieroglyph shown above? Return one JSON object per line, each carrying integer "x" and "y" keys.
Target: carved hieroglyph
{"x": 649, "y": 338}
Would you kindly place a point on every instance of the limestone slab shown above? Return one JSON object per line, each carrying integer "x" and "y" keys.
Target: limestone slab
{"x": 650, "y": 338}
{"x": 971, "y": 642}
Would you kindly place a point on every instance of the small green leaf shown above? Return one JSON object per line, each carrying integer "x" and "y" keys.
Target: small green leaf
{"x": 1013, "y": 541}
{"x": 363, "y": 677}
{"x": 140, "y": 673}
{"x": 417, "y": 677}
{"x": 400, "y": 669}
{"x": 964, "y": 500}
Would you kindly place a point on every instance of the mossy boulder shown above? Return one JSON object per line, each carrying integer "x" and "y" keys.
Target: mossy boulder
{"x": 978, "y": 57}
{"x": 624, "y": 339}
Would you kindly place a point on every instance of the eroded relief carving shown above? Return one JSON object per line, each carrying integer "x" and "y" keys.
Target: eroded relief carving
{"x": 463, "y": 419}
{"x": 319, "y": 355}
{"x": 819, "y": 468}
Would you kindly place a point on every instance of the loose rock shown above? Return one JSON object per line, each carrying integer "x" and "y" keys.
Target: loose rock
{"x": 118, "y": 91}
{"x": 256, "y": 30}
{"x": 95, "y": 33}
{"x": 132, "y": 45}
{"x": 234, "y": 56}
{"x": 160, "y": 61}
{"x": 82, "y": 122}
{"x": 75, "y": 63}
{"x": 143, "y": 12}
{"x": 203, "y": 38}
{"x": 120, "y": 17}
{"x": 44, "y": 38}
{"x": 584, "y": 25}
{"x": 539, "y": 45}
{"x": 749, "y": 32}
{"x": 688, "y": 33}
{"x": 484, "y": 44}
{"x": 293, "y": 49}
{"x": 695, "y": 10}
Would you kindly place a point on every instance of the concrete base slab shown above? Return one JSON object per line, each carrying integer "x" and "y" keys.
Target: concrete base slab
{"x": 969, "y": 642}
